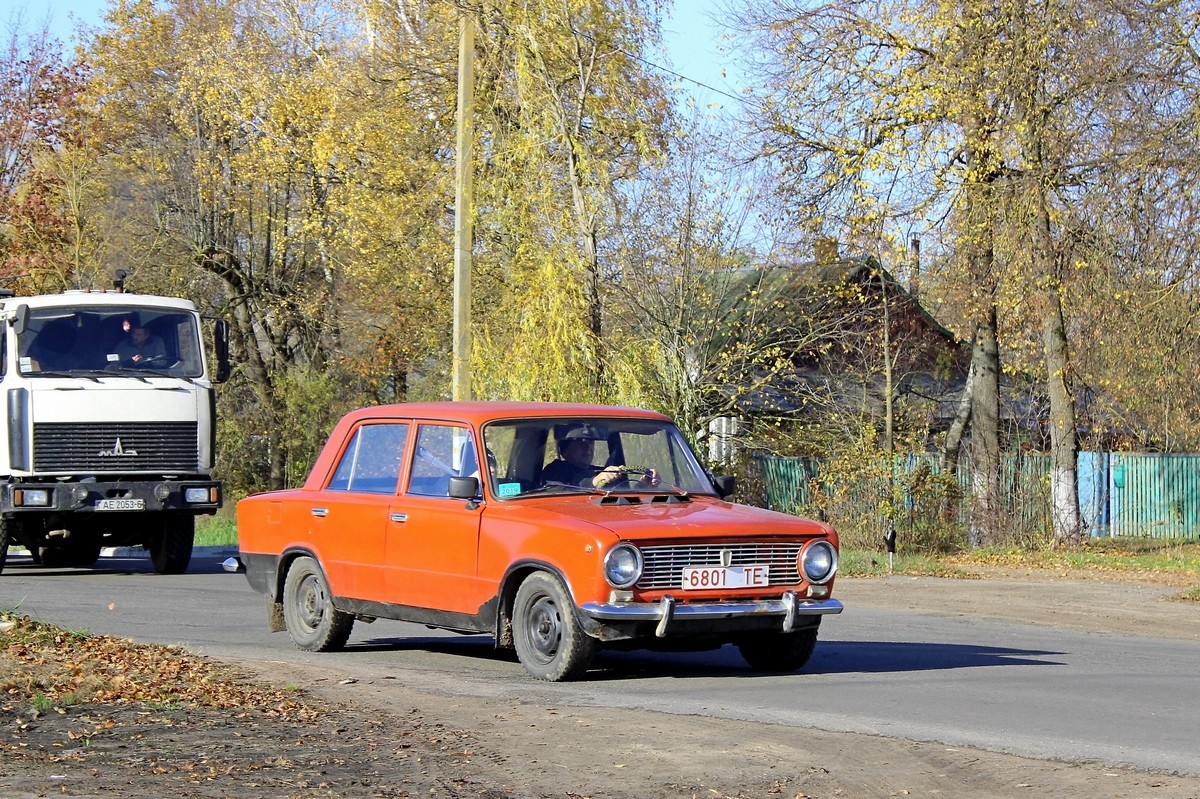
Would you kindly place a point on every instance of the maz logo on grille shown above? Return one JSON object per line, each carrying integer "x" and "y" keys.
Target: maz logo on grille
{"x": 117, "y": 451}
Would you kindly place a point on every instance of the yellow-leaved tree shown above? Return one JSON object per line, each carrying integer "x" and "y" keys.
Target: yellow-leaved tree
{"x": 568, "y": 112}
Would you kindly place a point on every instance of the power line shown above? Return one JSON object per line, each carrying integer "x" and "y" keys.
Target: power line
{"x": 668, "y": 71}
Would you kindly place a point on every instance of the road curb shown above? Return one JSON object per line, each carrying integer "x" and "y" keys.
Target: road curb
{"x": 140, "y": 552}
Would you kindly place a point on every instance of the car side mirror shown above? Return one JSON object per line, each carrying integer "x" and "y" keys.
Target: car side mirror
{"x": 724, "y": 485}
{"x": 464, "y": 487}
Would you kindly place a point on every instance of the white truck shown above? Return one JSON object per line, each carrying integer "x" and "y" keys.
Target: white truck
{"x": 111, "y": 425}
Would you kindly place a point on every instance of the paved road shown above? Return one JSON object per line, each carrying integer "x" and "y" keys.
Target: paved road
{"x": 1030, "y": 690}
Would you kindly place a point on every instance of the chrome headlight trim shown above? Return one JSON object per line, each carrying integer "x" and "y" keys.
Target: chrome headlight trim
{"x": 623, "y": 566}
{"x": 818, "y": 562}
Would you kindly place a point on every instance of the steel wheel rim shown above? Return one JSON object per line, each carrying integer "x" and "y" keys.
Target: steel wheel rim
{"x": 310, "y": 605}
{"x": 543, "y": 628}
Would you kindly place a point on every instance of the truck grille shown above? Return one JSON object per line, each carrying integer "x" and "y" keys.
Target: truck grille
{"x": 663, "y": 565}
{"x": 115, "y": 447}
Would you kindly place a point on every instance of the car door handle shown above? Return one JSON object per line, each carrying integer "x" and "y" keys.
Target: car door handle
{"x": 398, "y": 517}
{"x": 321, "y": 512}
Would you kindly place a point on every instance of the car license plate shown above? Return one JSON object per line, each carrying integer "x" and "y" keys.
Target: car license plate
{"x": 708, "y": 577}
{"x": 121, "y": 504}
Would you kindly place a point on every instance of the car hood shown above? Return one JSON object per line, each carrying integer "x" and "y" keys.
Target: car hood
{"x": 646, "y": 517}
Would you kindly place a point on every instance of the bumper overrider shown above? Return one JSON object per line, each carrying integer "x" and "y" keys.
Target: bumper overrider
{"x": 792, "y": 612}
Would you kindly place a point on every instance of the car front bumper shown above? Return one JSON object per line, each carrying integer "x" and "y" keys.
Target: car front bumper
{"x": 790, "y": 609}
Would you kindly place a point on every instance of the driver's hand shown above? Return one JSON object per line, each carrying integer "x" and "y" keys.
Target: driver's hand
{"x": 608, "y": 476}
{"x": 650, "y": 478}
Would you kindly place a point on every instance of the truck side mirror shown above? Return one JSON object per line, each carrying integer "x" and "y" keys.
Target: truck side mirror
{"x": 20, "y": 319}
{"x": 221, "y": 345}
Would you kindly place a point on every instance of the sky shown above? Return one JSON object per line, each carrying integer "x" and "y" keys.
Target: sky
{"x": 691, "y": 37}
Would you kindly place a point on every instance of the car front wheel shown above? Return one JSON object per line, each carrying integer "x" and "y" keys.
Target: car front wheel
{"x": 312, "y": 621}
{"x": 549, "y": 640}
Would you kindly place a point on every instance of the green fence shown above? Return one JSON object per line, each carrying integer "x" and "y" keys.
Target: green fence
{"x": 1122, "y": 494}
{"x": 1152, "y": 495}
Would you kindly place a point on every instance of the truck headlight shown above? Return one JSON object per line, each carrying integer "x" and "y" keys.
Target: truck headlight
{"x": 195, "y": 495}
{"x": 818, "y": 562}
{"x": 31, "y": 497}
{"x": 623, "y": 566}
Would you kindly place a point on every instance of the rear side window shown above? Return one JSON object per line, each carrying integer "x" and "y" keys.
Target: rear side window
{"x": 371, "y": 462}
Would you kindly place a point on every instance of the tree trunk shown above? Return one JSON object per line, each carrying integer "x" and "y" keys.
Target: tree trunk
{"x": 962, "y": 417}
{"x": 1064, "y": 446}
{"x": 985, "y": 434}
{"x": 985, "y": 352}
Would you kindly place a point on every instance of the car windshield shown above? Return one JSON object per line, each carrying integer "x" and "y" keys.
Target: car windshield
{"x": 100, "y": 341}
{"x": 529, "y": 457}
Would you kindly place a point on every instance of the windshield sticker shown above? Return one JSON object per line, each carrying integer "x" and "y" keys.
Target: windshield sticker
{"x": 508, "y": 489}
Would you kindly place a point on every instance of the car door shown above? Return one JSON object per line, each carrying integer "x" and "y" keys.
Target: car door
{"x": 349, "y": 517}
{"x": 433, "y": 539}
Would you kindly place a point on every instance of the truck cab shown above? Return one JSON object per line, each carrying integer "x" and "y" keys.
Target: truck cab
{"x": 111, "y": 426}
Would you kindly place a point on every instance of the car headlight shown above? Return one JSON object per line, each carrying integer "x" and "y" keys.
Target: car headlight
{"x": 623, "y": 566}
{"x": 818, "y": 562}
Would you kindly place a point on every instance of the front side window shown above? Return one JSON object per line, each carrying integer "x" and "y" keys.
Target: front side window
{"x": 371, "y": 462}
{"x": 538, "y": 456}
{"x": 442, "y": 452}
{"x": 110, "y": 340}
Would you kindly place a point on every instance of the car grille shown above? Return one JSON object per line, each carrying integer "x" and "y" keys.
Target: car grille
{"x": 115, "y": 447}
{"x": 663, "y": 565}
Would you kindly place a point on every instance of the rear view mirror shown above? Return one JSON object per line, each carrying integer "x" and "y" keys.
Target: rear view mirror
{"x": 221, "y": 345}
{"x": 724, "y": 485}
{"x": 20, "y": 319}
{"x": 464, "y": 487}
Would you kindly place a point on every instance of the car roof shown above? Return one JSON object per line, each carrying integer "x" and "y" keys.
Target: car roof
{"x": 480, "y": 412}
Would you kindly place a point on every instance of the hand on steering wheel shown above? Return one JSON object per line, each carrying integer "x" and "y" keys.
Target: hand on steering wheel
{"x": 610, "y": 477}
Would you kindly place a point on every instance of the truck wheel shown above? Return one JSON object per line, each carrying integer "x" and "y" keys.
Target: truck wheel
{"x": 171, "y": 544}
{"x": 3, "y": 543}
{"x": 779, "y": 651}
{"x": 313, "y": 623}
{"x": 550, "y": 643}
{"x": 73, "y": 552}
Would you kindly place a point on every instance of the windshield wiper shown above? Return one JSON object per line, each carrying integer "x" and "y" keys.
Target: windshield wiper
{"x": 559, "y": 488}
{"x": 70, "y": 373}
{"x": 161, "y": 373}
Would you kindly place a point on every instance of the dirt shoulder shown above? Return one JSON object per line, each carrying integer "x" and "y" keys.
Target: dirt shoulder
{"x": 379, "y": 738}
{"x": 1072, "y": 600}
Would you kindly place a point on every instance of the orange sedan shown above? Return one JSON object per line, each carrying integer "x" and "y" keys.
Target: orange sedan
{"x": 556, "y": 528}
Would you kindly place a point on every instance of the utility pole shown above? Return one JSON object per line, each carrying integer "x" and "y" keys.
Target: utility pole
{"x": 460, "y": 378}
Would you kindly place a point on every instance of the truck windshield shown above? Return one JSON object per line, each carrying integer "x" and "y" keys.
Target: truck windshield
{"x": 125, "y": 340}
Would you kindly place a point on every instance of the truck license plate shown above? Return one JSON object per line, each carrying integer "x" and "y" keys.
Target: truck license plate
{"x": 121, "y": 504}
{"x": 700, "y": 579}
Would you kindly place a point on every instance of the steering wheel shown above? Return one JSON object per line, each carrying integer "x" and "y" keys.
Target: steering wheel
{"x": 625, "y": 479}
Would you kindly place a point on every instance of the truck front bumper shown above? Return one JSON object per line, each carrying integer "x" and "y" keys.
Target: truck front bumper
{"x": 188, "y": 496}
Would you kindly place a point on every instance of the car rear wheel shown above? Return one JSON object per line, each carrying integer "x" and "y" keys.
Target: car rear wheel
{"x": 312, "y": 621}
{"x": 3, "y": 543}
{"x": 779, "y": 651}
{"x": 549, "y": 640}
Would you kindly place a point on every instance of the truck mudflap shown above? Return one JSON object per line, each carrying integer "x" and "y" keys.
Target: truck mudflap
{"x": 99, "y": 497}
